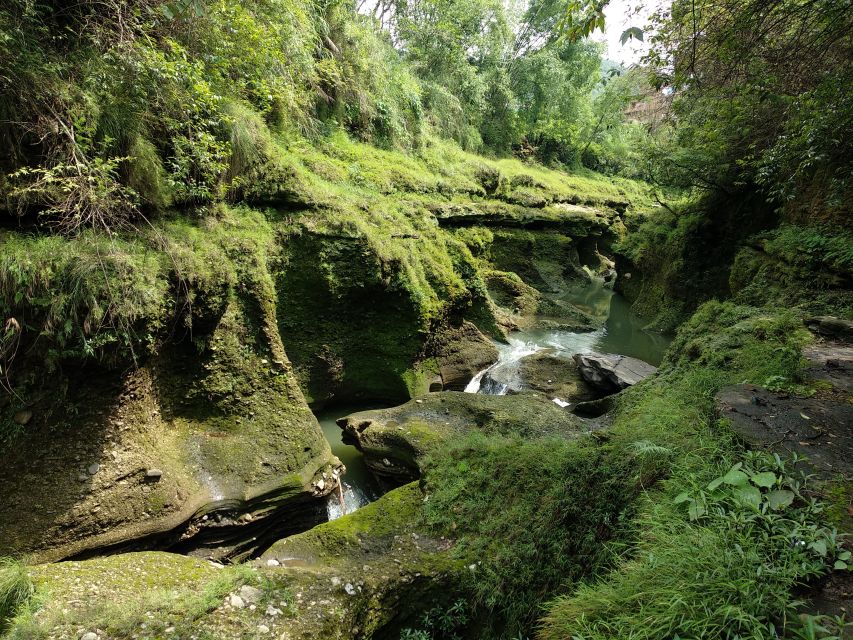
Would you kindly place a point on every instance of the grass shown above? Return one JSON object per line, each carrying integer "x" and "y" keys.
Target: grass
{"x": 590, "y": 528}
{"x": 143, "y": 593}
{"x": 16, "y": 589}
{"x": 732, "y": 572}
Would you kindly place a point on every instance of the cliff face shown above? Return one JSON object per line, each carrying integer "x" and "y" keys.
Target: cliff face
{"x": 162, "y": 378}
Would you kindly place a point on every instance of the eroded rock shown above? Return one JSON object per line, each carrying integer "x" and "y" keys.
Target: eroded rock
{"x": 610, "y": 372}
{"x": 393, "y": 440}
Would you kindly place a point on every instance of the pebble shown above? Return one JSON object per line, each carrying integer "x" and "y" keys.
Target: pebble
{"x": 262, "y": 628}
{"x": 153, "y": 474}
{"x": 250, "y": 594}
{"x": 336, "y": 581}
{"x": 272, "y": 562}
{"x": 89, "y": 635}
{"x": 94, "y": 468}
{"x": 236, "y": 601}
{"x": 350, "y": 589}
{"x": 273, "y": 612}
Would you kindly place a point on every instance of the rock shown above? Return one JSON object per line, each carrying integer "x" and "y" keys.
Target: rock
{"x": 272, "y": 562}
{"x": 273, "y": 612}
{"x": 236, "y": 601}
{"x": 393, "y": 453}
{"x": 321, "y": 484}
{"x": 832, "y": 327}
{"x": 249, "y": 594}
{"x": 555, "y": 376}
{"x": 350, "y": 589}
{"x": 94, "y": 468}
{"x": 263, "y": 629}
{"x": 819, "y": 428}
{"x": 460, "y": 354}
{"x": 23, "y": 417}
{"x": 153, "y": 475}
{"x": 610, "y": 372}
{"x": 89, "y": 635}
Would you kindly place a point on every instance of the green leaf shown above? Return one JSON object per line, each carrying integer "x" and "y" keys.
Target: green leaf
{"x": 819, "y": 547}
{"x": 696, "y": 510}
{"x": 735, "y": 477}
{"x": 840, "y": 565}
{"x": 765, "y": 479}
{"x": 681, "y": 497}
{"x": 630, "y": 34}
{"x": 780, "y": 499}
{"x": 844, "y": 555}
{"x": 748, "y": 494}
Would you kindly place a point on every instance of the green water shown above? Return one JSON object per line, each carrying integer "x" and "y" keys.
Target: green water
{"x": 359, "y": 485}
{"x": 622, "y": 333}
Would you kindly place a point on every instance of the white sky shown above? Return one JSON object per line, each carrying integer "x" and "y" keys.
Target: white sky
{"x": 619, "y": 15}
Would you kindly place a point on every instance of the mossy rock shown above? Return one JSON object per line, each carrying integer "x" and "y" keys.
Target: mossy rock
{"x": 555, "y": 376}
{"x": 364, "y": 575}
{"x": 395, "y": 440}
{"x": 185, "y": 446}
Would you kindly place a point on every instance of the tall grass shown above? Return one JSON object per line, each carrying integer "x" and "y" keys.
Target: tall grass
{"x": 16, "y": 588}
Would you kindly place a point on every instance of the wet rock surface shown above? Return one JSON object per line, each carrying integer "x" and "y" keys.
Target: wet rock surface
{"x": 611, "y": 373}
{"x": 820, "y": 428}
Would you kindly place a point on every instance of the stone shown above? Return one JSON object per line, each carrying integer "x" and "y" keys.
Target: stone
{"x": 94, "y": 468}
{"x": 23, "y": 417}
{"x": 272, "y": 562}
{"x": 249, "y": 594}
{"x": 610, "y": 372}
{"x": 460, "y": 353}
{"x": 321, "y": 484}
{"x": 263, "y": 629}
{"x": 350, "y": 589}
{"x": 89, "y": 635}
{"x": 831, "y": 326}
{"x": 153, "y": 475}
{"x": 236, "y": 601}
{"x": 273, "y": 612}
{"x": 555, "y": 375}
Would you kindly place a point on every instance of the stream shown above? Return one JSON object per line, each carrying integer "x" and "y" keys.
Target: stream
{"x": 358, "y": 484}
{"x": 622, "y": 333}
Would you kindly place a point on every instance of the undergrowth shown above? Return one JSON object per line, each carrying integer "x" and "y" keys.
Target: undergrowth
{"x": 16, "y": 589}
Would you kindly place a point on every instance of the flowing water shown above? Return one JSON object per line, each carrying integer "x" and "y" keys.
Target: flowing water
{"x": 359, "y": 487}
{"x": 622, "y": 333}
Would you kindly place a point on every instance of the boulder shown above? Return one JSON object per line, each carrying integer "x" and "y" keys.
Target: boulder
{"x": 832, "y": 327}
{"x": 554, "y": 375}
{"x": 461, "y": 353}
{"x": 610, "y": 372}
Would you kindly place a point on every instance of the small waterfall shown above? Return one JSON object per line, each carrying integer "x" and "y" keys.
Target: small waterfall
{"x": 353, "y": 498}
{"x": 502, "y": 376}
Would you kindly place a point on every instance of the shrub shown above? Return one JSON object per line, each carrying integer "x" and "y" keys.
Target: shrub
{"x": 16, "y": 589}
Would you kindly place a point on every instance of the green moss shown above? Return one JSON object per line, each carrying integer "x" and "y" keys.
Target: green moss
{"x": 124, "y": 594}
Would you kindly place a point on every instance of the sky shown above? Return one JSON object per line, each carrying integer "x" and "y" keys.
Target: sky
{"x": 619, "y": 15}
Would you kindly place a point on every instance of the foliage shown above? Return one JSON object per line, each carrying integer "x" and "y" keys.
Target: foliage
{"x": 717, "y": 552}
{"x": 439, "y": 623}
{"x": 760, "y": 97}
{"x": 727, "y": 570}
{"x": 16, "y": 589}
{"x": 525, "y": 516}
